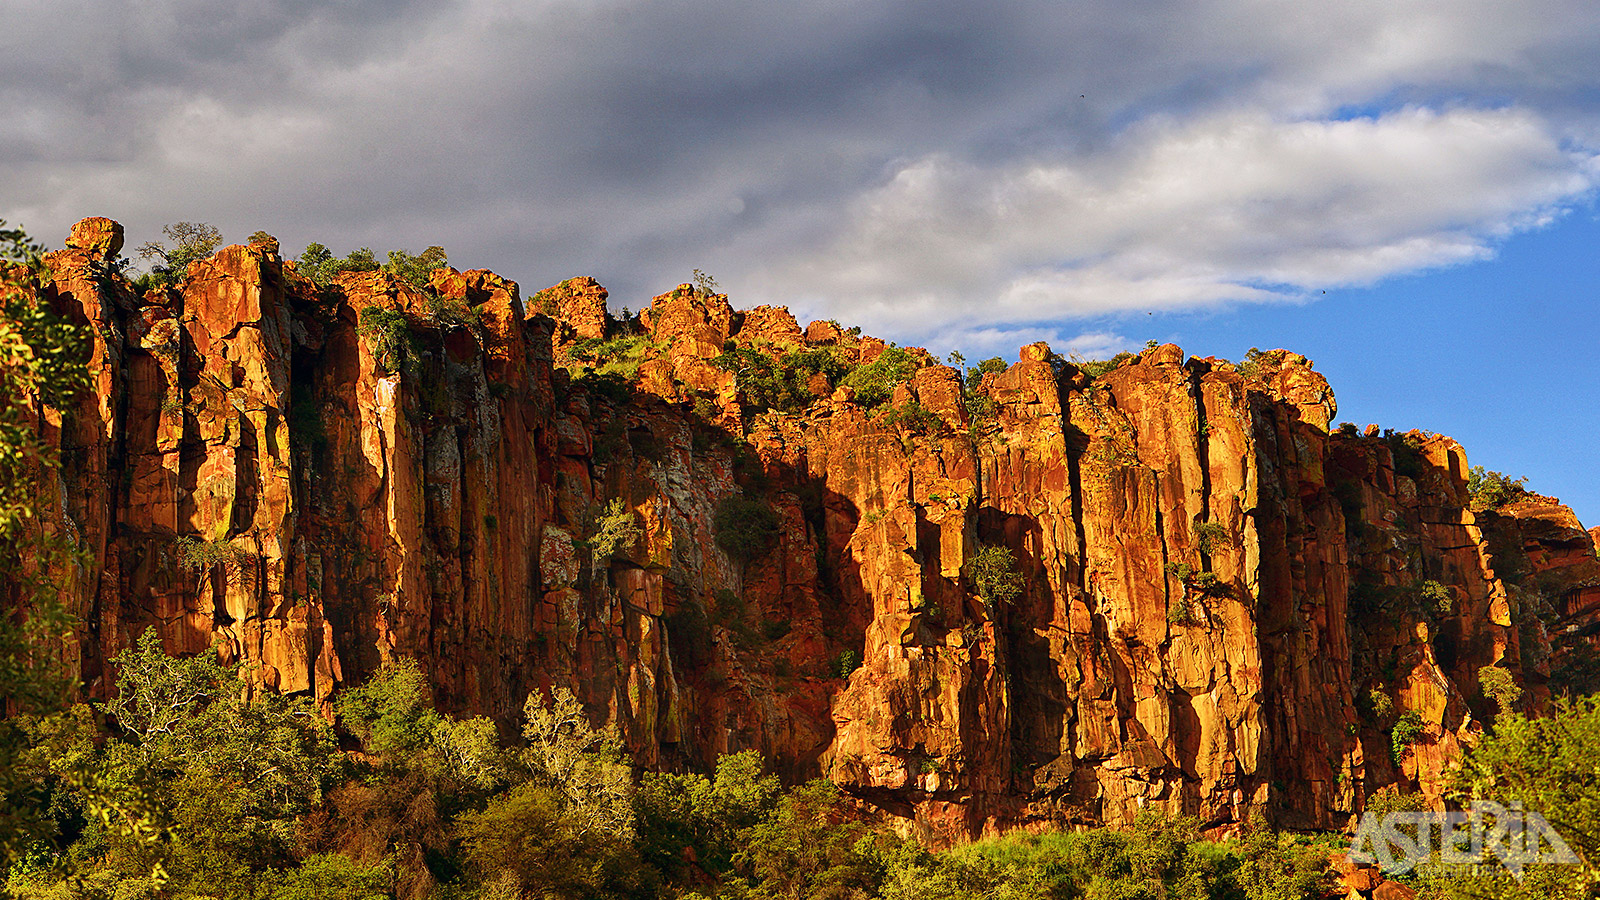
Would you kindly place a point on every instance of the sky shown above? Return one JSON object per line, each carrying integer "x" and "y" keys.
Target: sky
{"x": 1403, "y": 191}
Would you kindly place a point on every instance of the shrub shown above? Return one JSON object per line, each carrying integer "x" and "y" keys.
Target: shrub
{"x": 846, "y": 662}
{"x": 619, "y": 356}
{"x": 913, "y": 417}
{"x": 1094, "y": 368}
{"x": 389, "y": 335}
{"x": 1499, "y": 685}
{"x": 1209, "y": 536}
{"x": 191, "y": 241}
{"x": 1491, "y": 490}
{"x": 1435, "y": 597}
{"x": 976, "y": 373}
{"x": 785, "y": 383}
{"x": 416, "y": 269}
{"x": 200, "y": 555}
{"x": 875, "y": 381}
{"x": 1407, "y": 730}
{"x": 746, "y": 528}
{"x": 994, "y": 576}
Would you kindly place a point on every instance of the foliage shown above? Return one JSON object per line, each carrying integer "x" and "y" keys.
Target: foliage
{"x": 846, "y": 662}
{"x": 41, "y": 366}
{"x": 584, "y": 765}
{"x": 191, "y": 241}
{"x": 1435, "y": 596}
{"x": 319, "y": 264}
{"x": 690, "y": 815}
{"x": 619, "y": 356}
{"x": 1094, "y": 368}
{"x": 1547, "y": 764}
{"x": 200, "y": 555}
{"x": 1501, "y": 686}
{"x": 994, "y": 576}
{"x": 912, "y": 416}
{"x": 1406, "y": 449}
{"x": 993, "y": 364}
{"x": 875, "y": 381}
{"x": 783, "y": 383}
{"x": 1407, "y": 730}
{"x": 1210, "y": 536}
{"x": 389, "y": 335}
{"x": 746, "y": 528}
{"x": 705, "y": 283}
{"x": 613, "y": 531}
{"x": 1491, "y": 490}
{"x": 416, "y": 269}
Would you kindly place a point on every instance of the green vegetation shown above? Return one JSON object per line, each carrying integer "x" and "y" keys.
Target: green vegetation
{"x": 783, "y": 383}
{"x": 1094, "y": 368}
{"x": 319, "y": 264}
{"x": 1407, "y": 730}
{"x": 619, "y": 356}
{"x": 876, "y": 381}
{"x": 746, "y": 528}
{"x": 41, "y": 361}
{"x": 846, "y": 662}
{"x": 1491, "y": 490}
{"x": 389, "y": 336}
{"x": 994, "y": 577}
{"x": 199, "y": 555}
{"x": 1501, "y": 686}
{"x": 1210, "y": 536}
{"x": 416, "y": 269}
{"x": 912, "y": 416}
{"x": 191, "y": 241}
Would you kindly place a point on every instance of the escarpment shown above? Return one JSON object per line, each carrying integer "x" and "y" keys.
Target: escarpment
{"x": 1220, "y": 606}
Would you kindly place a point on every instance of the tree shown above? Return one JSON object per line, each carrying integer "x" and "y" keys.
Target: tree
{"x": 191, "y": 241}
{"x": 585, "y": 765}
{"x": 41, "y": 366}
{"x": 416, "y": 269}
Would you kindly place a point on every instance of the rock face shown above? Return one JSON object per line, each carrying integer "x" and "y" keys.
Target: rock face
{"x": 1219, "y": 601}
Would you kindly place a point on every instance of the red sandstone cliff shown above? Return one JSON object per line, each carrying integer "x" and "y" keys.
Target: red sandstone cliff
{"x": 1213, "y": 583}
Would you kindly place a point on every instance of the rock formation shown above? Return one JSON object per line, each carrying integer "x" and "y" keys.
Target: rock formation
{"x": 1218, "y": 594}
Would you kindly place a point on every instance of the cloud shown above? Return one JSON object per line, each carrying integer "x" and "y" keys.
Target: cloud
{"x": 1235, "y": 208}
{"x": 918, "y": 166}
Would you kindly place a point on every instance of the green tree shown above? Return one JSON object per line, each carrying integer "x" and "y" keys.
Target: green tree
{"x": 41, "y": 367}
{"x": 416, "y": 269}
{"x": 190, "y": 241}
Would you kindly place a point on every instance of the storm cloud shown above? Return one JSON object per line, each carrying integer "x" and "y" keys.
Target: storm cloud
{"x": 938, "y": 171}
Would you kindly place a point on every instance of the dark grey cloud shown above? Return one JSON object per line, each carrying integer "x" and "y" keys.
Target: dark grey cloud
{"x": 911, "y": 162}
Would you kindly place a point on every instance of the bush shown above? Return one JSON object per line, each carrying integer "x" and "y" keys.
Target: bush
{"x": 876, "y": 381}
{"x": 416, "y": 269}
{"x": 1407, "y": 730}
{"x": 746, "y": 529}
{"x": 1491, "y": 490}
{"x": 846, "y": 662}
{"x": 1499, "y": 685}
{"x": 913, "y": 417}
{"x": 1209, "y": 536}
{"x": 782, "y": 384}
{"x": 994, "y": 576}
{"x": 319, "y": 264}
{"x": 389, "y": 335}
{"x": 1094, "y": 368}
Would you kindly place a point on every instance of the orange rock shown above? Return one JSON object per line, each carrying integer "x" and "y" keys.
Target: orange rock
{"x": 1198, "y": 557}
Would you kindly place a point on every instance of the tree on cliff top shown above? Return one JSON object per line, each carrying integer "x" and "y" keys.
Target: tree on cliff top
{"x": 191, "y": 241}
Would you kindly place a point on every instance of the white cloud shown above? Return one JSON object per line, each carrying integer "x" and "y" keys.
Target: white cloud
{"x": 1234, "y": 208}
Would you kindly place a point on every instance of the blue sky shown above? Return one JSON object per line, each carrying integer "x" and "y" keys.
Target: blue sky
{"x": 942, "y": 172}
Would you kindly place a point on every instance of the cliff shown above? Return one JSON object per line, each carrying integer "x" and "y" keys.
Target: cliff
{"x": 1214, "y": 587}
